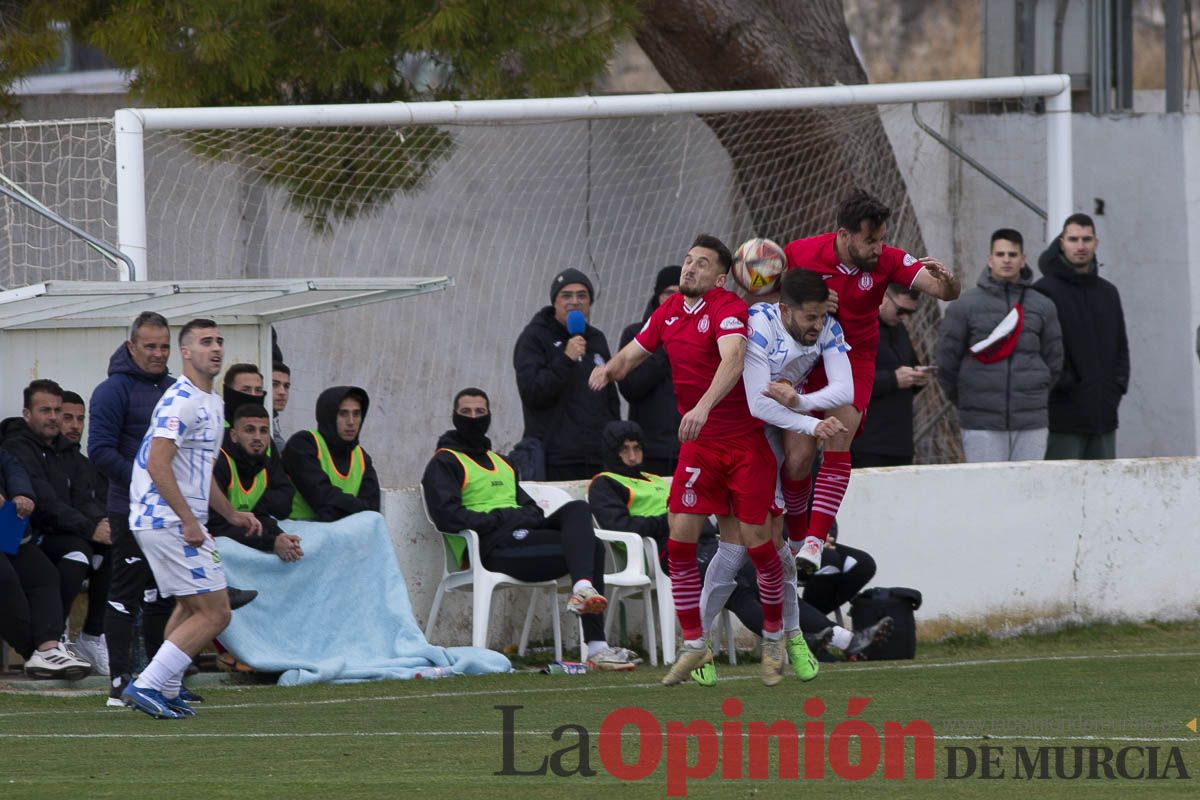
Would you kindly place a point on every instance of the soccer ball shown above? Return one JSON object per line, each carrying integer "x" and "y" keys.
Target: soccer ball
{"x": 758, "y": 265}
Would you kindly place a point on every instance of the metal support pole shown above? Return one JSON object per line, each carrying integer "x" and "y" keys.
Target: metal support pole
{"x": 1059, "y": 169}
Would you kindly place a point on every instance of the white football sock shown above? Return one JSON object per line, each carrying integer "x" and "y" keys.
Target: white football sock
{"x": 720, "y": 579}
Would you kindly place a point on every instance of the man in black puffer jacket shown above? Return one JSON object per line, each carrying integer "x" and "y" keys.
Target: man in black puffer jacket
{"x": 553, "y": 358}
{"x": 1001, "y": 391}
{"x": 1095, "y": 373}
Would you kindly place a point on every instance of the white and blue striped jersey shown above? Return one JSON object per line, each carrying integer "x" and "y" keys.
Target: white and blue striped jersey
{"x": 773, "y": 355}
{"x": 194, "y": 420}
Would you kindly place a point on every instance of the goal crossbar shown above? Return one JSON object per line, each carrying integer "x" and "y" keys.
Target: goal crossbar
{"x": 131, "y": 125}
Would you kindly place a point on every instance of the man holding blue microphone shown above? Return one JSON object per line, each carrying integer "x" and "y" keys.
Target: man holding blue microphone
{"x": 553, "y": 358}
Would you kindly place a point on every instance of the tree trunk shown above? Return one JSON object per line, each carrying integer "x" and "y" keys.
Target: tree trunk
{"x": 716, "y": 45}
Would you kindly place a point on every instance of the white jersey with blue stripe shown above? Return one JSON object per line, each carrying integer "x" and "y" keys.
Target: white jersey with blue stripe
{"x": 773, "y": 355}
{"x": 194, "y": 420}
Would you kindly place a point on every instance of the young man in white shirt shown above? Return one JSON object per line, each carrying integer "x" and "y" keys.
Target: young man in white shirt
{"x": 169, "y": 493}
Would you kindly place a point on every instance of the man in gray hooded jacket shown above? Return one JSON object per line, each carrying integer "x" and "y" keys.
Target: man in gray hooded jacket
{"x": 999, "y": 352}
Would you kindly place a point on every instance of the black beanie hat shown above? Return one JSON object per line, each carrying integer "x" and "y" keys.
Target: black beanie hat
{"x": 667, "y": 276}
{"x": 565, "y": 278}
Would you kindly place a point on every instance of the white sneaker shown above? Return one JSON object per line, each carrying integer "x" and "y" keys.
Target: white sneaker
{"x": 808, "y": 558}
{"x": 613, "y": 659}
{"x": 94, "y": 650}
{"x": 58, "y": 663}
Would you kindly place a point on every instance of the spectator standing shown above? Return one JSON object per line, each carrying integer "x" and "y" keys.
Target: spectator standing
{"x": 120, "y": 415}
{"x": 333, "y": 475}
{"x": 1095, "y": 372}
{"x": 553, "y": 358}
{"x": 281, "y": 390}
{"x": 648, "y": 388}
{"x": 887, "y": 436}
{"x": 999, "y": 352}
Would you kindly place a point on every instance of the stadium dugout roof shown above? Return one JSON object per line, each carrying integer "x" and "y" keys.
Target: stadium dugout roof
{"x": 97, "y": 304}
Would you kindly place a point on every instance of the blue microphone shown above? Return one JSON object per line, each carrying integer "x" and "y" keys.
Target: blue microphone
{"x": 576, "y": 322}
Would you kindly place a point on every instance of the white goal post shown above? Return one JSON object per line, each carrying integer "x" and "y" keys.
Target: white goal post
{"x": 132, "y": 124}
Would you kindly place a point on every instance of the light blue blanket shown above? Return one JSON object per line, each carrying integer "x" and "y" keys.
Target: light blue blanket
{"x": 340, "y": 614}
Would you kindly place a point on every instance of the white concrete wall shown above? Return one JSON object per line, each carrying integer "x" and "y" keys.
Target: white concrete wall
{"x": 1101, "y": 540}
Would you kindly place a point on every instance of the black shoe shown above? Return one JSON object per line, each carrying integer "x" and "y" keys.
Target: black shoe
{"x": 116, "y": 687}
{"x": 240, "y": 597}
{"x": 863, "y": 639}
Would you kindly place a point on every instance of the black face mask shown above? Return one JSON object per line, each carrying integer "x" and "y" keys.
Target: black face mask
{"x": 473, "y": 430}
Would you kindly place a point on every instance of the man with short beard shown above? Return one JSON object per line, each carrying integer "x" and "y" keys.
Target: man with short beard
{"x": 857, "y": 267}
{"x": 253, "y": 480}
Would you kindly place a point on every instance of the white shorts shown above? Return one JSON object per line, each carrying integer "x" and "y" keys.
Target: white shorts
{"x": 180, "y": 569}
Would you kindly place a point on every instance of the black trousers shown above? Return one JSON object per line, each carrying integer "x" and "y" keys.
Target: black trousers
{"x": 827, "y": 592}
{"x": 565, "y": 545}
{"x": 72, "y": 556}
{"x": 132, "y": 589}
{"x": 572, "y": 472}
{"x": 30, "y": 606}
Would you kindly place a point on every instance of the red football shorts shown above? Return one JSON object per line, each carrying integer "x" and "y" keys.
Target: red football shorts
{"x": 722, "y": 476}
{"x": 863, "y": 370}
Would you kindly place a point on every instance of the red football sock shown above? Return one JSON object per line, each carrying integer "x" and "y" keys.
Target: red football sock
{"x": 685, "y": 587}
{"x": 795, "y": 498}
{"x": 830, "y": 488}
{"x": 770, "y": 584}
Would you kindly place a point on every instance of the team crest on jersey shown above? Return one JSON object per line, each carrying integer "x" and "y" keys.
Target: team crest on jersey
{"x": 909, "y": 259}
{"x": 689, "y": 497}
{"x": 865, "y": 281}
{"x": 702, "y": 325}
{"x": 173, "y": 424}
{"x": 730, "y": 323}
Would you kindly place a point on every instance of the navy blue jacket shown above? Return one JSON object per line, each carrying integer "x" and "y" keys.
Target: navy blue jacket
{"x": 118, "y": 418}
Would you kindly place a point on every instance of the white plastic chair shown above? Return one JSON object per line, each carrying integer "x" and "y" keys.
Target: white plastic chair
{"x": 666, "y": 609}
{"x": 631, "y": 581}
{"x": 482, "y": 583}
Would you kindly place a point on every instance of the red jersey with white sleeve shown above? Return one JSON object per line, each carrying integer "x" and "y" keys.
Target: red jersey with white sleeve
{"x": 859, "y": 293}
{"x": 690, "y": 335}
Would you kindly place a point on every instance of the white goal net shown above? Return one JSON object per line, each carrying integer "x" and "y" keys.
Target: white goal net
{"x": 498, "y": 207}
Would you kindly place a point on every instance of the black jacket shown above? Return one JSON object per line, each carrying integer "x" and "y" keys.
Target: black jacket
{"x": 559, "y": 407}
{"x": 1095, "y": 371}
{"x": 60, "y": 480}
{"x": 274, "y": 505}
{"x": 889, "y": 428}
{"x": 304, "y": 469}
{"x": 651, "y": 397}
{"x": 442, "y": 486}
{"x": 118, "y": 418}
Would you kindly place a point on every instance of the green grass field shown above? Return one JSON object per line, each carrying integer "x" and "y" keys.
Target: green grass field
{"x": 1115, "y": 687}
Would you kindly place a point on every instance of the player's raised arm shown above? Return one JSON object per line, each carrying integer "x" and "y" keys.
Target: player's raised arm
{"x": 625, "y": 361}
{"x": 936, "y": 280}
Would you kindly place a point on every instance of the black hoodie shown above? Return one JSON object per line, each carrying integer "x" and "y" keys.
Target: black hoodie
{"x": 1095, "y": 371}
{"x": 559, "y": 407}
{"x": 275, "y": 503}
{"x": 66, "y": 503}
{"x": 300, "y": 460}
{"x": 609, "y": 499}
{"x": 442, "y": 486}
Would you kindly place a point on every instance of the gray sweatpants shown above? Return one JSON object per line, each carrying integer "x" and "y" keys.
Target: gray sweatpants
{"x": 1004, "y": 445}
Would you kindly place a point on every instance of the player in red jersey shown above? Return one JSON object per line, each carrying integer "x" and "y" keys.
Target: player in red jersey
{"x": 857, "y": 266}
{"x": 725, "y": 464}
